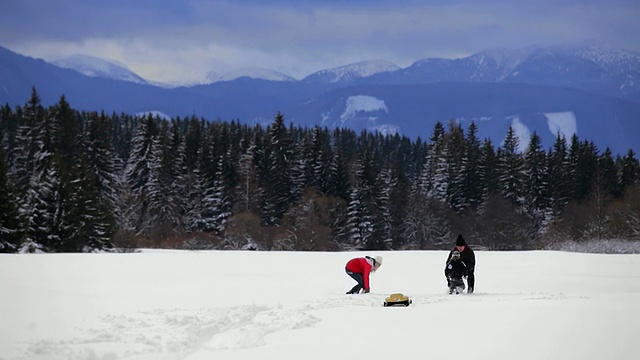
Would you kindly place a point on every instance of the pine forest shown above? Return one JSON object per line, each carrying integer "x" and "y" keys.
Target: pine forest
{"x": 76, "y": 181}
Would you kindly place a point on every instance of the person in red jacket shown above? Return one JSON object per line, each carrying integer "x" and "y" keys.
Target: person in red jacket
{"x": 359, "y": 269}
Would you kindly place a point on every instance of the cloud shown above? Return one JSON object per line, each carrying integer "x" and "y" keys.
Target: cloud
{"x": 185, "y": 40}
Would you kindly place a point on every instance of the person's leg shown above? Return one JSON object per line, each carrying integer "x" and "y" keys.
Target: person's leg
{"x": 360, "y": 282}
{"x": 471, "y": 279}
{"x": 456, "y": 285}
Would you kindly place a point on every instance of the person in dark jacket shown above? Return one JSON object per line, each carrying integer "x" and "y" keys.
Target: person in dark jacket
{"x": 468, "y": 257}
{"x": 454, "y": 271}
{"x": 359, "y": 269}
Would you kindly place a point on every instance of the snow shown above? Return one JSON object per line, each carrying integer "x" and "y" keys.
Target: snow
{"x": 386, "y": 129}
{"x": 96, "y": 67}
{"x": 505, "y": 59}
{"x": 365, "y": 103}
{"x": 562, "y": 122}
{"x": 200, "y": 305}
{"x": 609, "y": 58}
{"x": 356, "y": 70}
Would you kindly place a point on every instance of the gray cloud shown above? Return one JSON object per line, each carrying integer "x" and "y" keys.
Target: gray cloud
{"x": 183, "y": 40}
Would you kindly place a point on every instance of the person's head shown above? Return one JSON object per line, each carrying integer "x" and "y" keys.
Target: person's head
{"x": 460, "y": 243}
{"x": 377, "y": 262}
{"x": 455, "y": 255}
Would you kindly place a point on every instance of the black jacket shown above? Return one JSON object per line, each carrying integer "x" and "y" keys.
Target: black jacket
{"x": 468, "y": 258}
{"x": 455, "y": 269}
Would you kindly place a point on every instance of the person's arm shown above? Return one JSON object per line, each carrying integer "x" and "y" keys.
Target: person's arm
{"x": 447, "y": 269}
{"x": 471, "y": 263}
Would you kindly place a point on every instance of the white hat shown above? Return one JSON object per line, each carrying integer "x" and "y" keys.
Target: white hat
{"x": 378, "y": 259}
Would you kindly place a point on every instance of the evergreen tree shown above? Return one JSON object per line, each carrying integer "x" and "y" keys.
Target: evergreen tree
{"x": 511, "y": 169}
{"x": 382, "y": 217}
{"x": 398, "y": 200}
{"x": 337, "y": 178}
{"x": 86, "y": 223}
{"x": 472, "y": 169}
{"x": 10, "y": 222}
{"x": 214, "y": 205}
{"x": 488, "y": 169}
{"x": 276, "y": 179}
{"x": 69, "y": 134}
{"x": 424, "y": 223}
{"x": 322, "y": 157}
{"x": 440, "y": 178}
{"x": 179, "y": 174}
{"x": 138, "y": 175}
{"x": 456, "y": 182}
{"x": 535, "y": 200}
{"x": 248, "y": 191}
{"x": 24, "y": 152}
{"x": 103, "y": 160}
{"x": 301, "y": 174}
{"x": 359, "y": 222}
{"x": 40, "y": 179}
{"x": 630, "y": 170}
{"x": 433, "y": 163}
{"x": 559, "y": 175}
{"x": 9, "y": 124}
{"x": 608, "y": 175}
{"x": 193, "y": 142}
{"x": 583, "y": 168}
{"x": 43, "y": 206}
{"x": 535, "y": 190}
{"x": 164, "y": 212}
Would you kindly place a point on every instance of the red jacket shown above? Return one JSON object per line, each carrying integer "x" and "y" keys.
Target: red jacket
{"x": 362, "y": 266}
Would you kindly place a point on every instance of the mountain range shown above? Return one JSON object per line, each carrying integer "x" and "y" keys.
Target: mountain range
{"x": 591, "y": 91}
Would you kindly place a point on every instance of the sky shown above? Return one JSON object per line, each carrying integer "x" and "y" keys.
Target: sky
{"x": 182, "y": 41}
{"x": 234, "y": 305}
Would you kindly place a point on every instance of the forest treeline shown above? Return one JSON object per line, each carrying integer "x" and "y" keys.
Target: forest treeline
{"x": 74, "y": 181}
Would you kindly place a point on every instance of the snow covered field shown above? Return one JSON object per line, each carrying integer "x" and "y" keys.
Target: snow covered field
{"x": 158, "y": 305}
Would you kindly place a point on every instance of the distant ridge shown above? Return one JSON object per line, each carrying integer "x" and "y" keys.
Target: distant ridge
{"x": 96, "y": 67}
{"x": 591, "y": 91}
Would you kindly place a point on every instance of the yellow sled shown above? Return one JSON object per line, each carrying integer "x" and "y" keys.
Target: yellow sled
{"x": 397, "y": 300}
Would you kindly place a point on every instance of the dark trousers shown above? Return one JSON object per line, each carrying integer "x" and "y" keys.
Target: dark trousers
{"x": 455, "y": 282}
{"x": 358, "y": 278}
{"x": 471, "y": 280}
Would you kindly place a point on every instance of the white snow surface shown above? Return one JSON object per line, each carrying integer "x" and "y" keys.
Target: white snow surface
{"x": 196, "y": 305}
{"x": 562, "y": 122}
{"x": 364, "y": 103}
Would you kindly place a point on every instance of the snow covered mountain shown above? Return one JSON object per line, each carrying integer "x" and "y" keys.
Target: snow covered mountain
{"x": 591, "y": 91}
{"x": 601, "y": 70}
{"x": 96, "y": 67}
{"x": 349, "y": 73}
{"x": 258, "y": 73}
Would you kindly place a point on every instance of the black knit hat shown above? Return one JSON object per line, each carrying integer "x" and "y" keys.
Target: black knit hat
{"x": 460, "y": 241}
